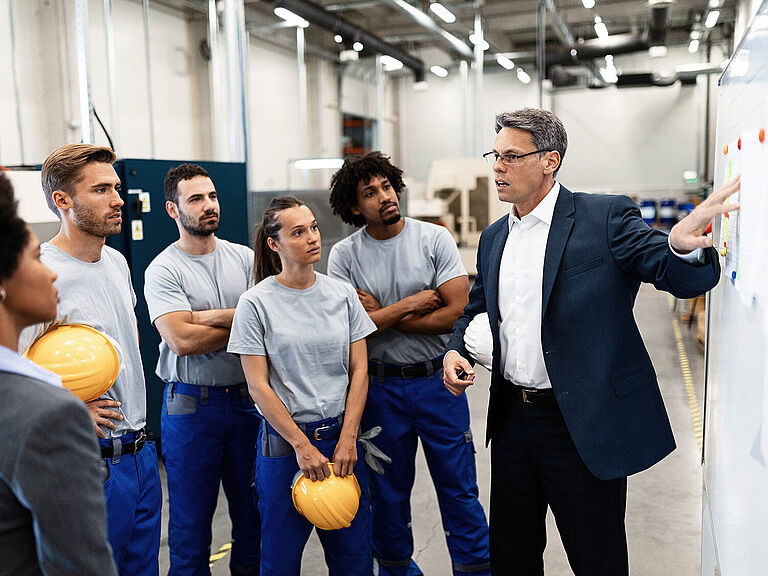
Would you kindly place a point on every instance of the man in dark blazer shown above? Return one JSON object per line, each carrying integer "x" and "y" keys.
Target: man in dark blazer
{"x": 574, "y": 407}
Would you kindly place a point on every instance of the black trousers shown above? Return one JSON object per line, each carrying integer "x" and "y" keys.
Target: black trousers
{"x": 534, "y": 464}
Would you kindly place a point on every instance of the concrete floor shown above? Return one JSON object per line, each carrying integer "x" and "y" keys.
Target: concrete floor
{"x": 664, "y": 503}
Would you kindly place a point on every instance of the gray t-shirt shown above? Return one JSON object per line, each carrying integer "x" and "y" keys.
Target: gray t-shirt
{"x": 176, "y": 281}
{"x": 305, "y": 335}
{"x": 422, "y": 257}
{"x": 100, "y": 295}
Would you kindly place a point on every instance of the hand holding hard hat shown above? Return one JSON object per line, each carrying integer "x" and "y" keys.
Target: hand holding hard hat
{"x": 478, "y": 340}
{"x": 329, "y": 504}
{"x": 86, "y": 360}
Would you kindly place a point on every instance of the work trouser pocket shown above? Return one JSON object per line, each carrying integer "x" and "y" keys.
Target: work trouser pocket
{"x": 274, "y": 445}
{"x": 179, "y": 404}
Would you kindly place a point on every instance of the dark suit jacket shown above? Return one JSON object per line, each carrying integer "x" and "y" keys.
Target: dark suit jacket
{"x": 598, "y": 252}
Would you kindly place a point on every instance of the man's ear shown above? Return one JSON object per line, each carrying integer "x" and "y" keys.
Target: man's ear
{"x": 552, "y": 162}
{"x": 172, "y": 209}
{"x": 62, "y": 200}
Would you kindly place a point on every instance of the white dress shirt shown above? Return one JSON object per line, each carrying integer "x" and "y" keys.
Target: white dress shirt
{"x": 520, "y": 278}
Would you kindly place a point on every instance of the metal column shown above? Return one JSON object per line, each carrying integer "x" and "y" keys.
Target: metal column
{"x": 541, "y": 48}
{"x": 302, "y": 66}
{"x": 84, "y": 86}
{"x": 380, "y": 110}
{"x": 148, "y": 68}
{"x": 109, "y": 39}
{"x": 16, "y": 88}
{"x": 479, "y": 57}
{"x": 466, "y": 107}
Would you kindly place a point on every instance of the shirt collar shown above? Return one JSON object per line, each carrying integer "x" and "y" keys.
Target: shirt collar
{"x": 12, "y": 362}
{"x": 543, "y": 211}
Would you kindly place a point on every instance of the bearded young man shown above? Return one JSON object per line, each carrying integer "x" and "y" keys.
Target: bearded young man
{"x": 209, "y": 423}
{"x": 94, "y": 282}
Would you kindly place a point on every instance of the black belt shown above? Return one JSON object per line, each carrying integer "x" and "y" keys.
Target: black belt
{"x": 133, "y": 448}
{"x": 327, "y": 429}
{"x": 533, "y": 395}
{"x": 426, "y": 368}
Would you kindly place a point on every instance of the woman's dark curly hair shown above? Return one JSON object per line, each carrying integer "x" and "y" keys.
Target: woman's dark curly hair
{"x": 360, "y": 169}
{"x": 13, "y": 230}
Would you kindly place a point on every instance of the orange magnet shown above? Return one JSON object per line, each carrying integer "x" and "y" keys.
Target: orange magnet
{"x": 761, "y": 135}
{"x": 725, "y": 150}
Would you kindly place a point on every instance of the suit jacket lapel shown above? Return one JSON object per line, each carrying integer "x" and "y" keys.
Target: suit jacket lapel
{"x": 559, "y": 231}
{"x": 493, "y": 278}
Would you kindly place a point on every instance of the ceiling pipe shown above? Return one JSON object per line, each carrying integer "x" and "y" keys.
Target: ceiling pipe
{"x": 317, "y": 15}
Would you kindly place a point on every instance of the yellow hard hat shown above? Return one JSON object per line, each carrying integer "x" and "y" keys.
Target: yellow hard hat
{"x": 330, "y": 503}
{"x": 84, "y": 358}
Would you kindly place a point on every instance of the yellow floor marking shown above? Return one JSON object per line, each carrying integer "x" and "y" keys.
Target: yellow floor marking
{"x": 223, "y": 551}
{"x": 688, "y": 381}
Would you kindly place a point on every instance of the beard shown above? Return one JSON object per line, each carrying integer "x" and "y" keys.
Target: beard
{"x": 197, "y": 228}
{"x": 389, "y": 220}
{"x": 88, "y": 220}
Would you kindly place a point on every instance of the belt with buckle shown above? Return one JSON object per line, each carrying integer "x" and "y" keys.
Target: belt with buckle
{"x": 535, "y": 395}
{"x": 426, "y": 368}
{"x": 327, "y": 429}
{"x": 323, "y": 430}
{"x": 139, "y": 439}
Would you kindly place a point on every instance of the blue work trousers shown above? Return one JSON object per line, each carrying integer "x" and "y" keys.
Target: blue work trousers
{"x": 209, "y": 439}
{"x": 408, "y": 409}
{"x": 134, "y": 501}
{"x": 285, "y": 532}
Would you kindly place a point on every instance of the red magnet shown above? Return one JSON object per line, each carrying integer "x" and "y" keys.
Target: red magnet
{"x": 739, "y": 144}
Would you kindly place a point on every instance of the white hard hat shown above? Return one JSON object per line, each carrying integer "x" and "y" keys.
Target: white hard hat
{"x": 478, "y": 340}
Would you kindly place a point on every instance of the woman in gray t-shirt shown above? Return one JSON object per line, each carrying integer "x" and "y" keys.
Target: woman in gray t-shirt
{"x": 301, "y": 340}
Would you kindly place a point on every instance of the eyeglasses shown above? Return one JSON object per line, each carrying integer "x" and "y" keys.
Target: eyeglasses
{"x": 508, "y": 159}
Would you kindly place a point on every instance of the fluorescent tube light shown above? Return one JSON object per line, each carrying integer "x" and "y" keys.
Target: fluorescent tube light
{"x": 439, "y": 71}
{"x": 712, "y": 18}
{"x": 483, "y": 44}
{"x": 600, "y": 28}
{"x": 504, "y": 62}
{"x": 390, "y": 64}
{"x": 290, "y": 17}
{"x": 442, "y": 12}
{"x": 657, "y": 51}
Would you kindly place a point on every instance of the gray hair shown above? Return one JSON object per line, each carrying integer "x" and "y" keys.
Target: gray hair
{"x": 546, "y": 130}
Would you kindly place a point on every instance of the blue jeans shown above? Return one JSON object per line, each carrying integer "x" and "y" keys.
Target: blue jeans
{"x": 134, "y": 501}
{"x": 285, "y": 532}
{"x": 409, "y": 409}
{"x": 209, "y": 438}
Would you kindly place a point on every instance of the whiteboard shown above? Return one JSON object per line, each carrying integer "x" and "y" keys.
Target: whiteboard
{"x": 735, "y": 498}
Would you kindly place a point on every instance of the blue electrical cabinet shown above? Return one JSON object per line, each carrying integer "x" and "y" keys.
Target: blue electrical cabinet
{"x": 147, "y": 230}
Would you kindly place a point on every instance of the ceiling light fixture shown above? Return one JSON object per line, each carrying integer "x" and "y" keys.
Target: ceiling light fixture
{"x": 600, "y": 28}
{"x": 442, "y": 12}
{"x": 693, "y": 46}
{"x": 483, "y": 44}
{"x": 357, "y": 46}
{"x": 439, "y": 71}
{"x": 290, "y": 17}
{"x": 712, "y": 18}
{"x": 504, "y": 62}
{"x": 588, "y": 4}
{"x": 338, "y": 39}
{"x": 523, "y": 76}
{"x": 390, "y": 64}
